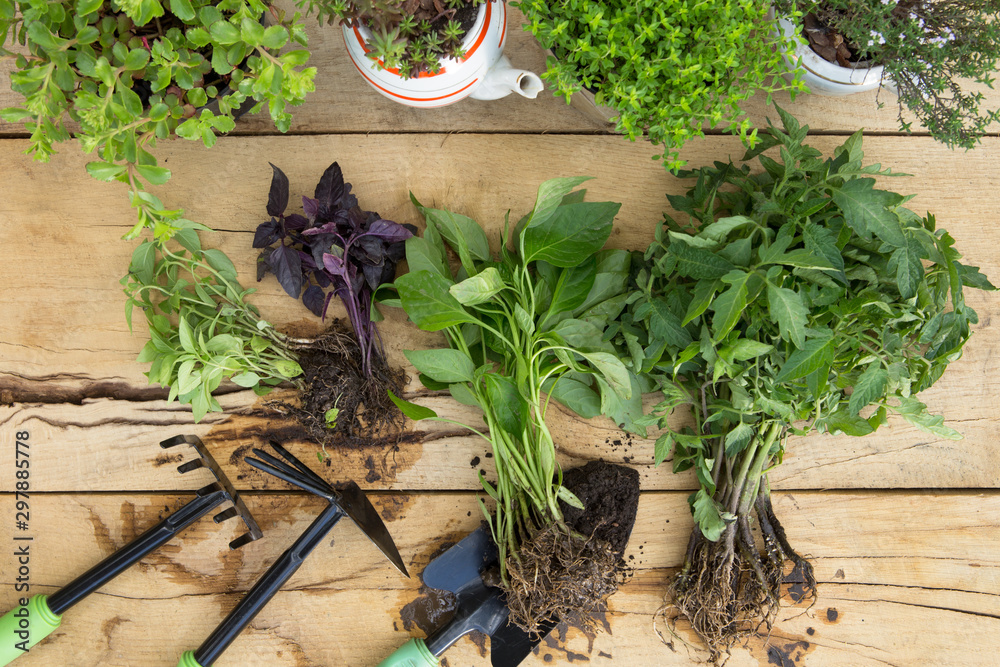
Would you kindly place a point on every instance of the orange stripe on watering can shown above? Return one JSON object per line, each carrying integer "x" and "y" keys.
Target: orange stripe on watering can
{"x": 427, "y": 75}
{"x": 503, "y": 26}
{"x": 413, "y": 99}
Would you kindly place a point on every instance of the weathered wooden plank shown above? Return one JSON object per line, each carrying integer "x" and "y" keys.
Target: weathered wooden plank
{"x": 891, "y": 566}
{"x": 63, "y": 340}
{"x": 343, "y": 102}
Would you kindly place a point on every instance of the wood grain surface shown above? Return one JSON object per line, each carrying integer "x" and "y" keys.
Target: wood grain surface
{"x": 902, "y": 527}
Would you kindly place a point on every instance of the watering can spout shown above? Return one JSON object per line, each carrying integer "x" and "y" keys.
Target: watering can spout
{"x": 502, "y": 79}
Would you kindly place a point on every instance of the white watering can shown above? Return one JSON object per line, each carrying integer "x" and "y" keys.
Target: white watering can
{"x": 484, "y": 73}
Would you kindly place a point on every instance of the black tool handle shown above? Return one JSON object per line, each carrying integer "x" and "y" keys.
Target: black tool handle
{"x": 109, "y": 568}
{"x": 266, "y": 587}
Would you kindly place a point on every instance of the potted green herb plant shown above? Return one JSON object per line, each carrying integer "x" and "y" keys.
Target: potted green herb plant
{"x": 121, "y": 76}
{"x": 800, "y": 298}
{"x": 429, "y": 53}
{"x": 664, "y": 69}
{"x": 925, "y": 51}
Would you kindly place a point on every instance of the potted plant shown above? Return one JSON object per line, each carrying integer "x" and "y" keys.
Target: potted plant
{"x": 119, "y": 77}
{"x": 922, "y": 50}
{"x": 662, "y": 71}
{"x": 428, "y": 53}
{"x": 797, "y": 298}
{"x": 523, "y": 328}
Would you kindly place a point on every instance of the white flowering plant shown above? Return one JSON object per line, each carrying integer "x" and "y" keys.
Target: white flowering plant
{"x": 931, "y": 50}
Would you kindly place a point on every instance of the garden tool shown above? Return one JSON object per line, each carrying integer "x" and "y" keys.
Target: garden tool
{"x": 348, "y": 501}
{"x": 479, "y": 607}
{"x": 36, "y": 618}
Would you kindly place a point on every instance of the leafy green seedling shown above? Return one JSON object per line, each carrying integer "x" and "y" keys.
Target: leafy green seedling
{"x": 803, "y": 298}
{"x": 524, "y": 328}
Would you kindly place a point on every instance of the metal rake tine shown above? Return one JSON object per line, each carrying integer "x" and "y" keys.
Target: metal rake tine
{"x": 279, "y": 464}
{"x": 302, "y": 467}
{"x": 291, "y": 479}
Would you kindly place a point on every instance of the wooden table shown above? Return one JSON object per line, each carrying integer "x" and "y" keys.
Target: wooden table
{"x": 902, "y": 527}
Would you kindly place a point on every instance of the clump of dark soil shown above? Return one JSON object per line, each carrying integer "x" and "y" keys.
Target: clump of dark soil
{"x": 567, "y": 571}
{"x": 333, "y": 378}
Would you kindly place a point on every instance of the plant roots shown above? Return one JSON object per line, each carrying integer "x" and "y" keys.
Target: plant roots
{"x": 730, "y": 588}
{"x": 334, "y": 378}
{"x": 559, "y": 575}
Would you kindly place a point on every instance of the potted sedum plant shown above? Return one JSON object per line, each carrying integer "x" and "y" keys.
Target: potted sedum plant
{"x": 120, "y": 76}
{"x": 428, "y": 53}
{"x": 927, "y": 52}
{"x": 663, "y": 69}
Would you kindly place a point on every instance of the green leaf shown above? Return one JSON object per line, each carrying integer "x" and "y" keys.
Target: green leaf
{"x": 571, "y": 290}
{"x": 582, "y": 335}
{"x": 411, "y": 410}
{"x": 136, "y": 59}
{"x": 729, "y": 306}
{"x": 479, "y": 288}
{"x": 186, "y": 335}
{"x": 105, "y": 171}
{"x": 848, "y": 423}
{"x": 613, "y": 370}
{"x": 221, "y": 263}
{"x": 443, "y": 365}
{"x": 721, "y": 228}
{"x": 699, "y": 263}
{"x": 569, "y": 497}
{"x": 869, "y": 387}
{"x": 461, "y": 393}
{"x": 508, "y": 406}
{"x": 916, "y": 413}
{"x": 707, "y": 514}
{"x": 199, "y": 37}
{"x": 738, "y": 438}
{"x": 550, "y": 195}
{"x": 426, "y": 254}
{"x": 85, "y": 7}
{"x": 427, "y": 301}
{"x": 287, "y": 368}
{"x": 144, "y": 262}
{"x": 909, "y": 270}
{"x": 224, "y": 33}
{"x": 745, "y": 349}
{"x": 665, "y": 326}
{"x": 662, "y": 448}
{"x": 463, "y": 233}
{"x": 275, "y": 37}
{"x": 575, "y": 395}
{"x": 789, "y": 310}
{"x": 248, "y": 379}
{"x": 704, "y": 292}
{"x": 867, "y": 210}
{"x": 524, "y": 321}
{"x": 16, "y": 115}
{"x": 224, "y": 343}
{"x": 155, "y": 175}
{"x": 814, "y": 354}
{"x": 571, "y": 234}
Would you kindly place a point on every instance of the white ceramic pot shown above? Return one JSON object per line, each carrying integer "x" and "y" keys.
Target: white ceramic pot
{"x": 484, "y": 73}
{"x": 823, "y": 77}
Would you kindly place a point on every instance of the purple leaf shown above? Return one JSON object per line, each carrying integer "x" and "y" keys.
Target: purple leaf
{"x": 307, "y": 262}
{"x": 314, "y": 299}
{"x": 277, "y": 198}
{"x": 267, "y": 233}
{"x": 373, "y": 250}
{"x": 296, "y": 222}
{"x": 373, "y": 274}
{"x": 389, "y": 231}
{"x": 322, "y": 279}
{"x": 287, "y": 267}
{"x": 330, "y": 188}
{"x": 328, "y": 228}
{"x": 310, "y": 207}
{"x": 336, "y": 266}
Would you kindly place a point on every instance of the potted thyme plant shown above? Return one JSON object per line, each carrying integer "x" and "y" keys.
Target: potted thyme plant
{"x": 120, "y": 76}
{"x": 665, "y": 72}
{"x": 926, "y": 51}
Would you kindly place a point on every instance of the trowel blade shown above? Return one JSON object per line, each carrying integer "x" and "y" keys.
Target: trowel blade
{"x": 462, "y": 563}
{"x": 356, "y": 505}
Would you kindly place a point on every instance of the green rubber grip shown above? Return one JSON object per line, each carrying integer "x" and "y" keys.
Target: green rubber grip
{"x": 25, "y": 626}
{"x": 413, "y": 653}
{"x": 187, "y": 660}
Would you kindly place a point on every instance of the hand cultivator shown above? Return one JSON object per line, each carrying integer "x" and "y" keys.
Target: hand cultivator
{"x": 39, "y": 616}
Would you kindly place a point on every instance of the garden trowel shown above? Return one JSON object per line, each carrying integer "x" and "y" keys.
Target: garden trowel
{"x": 478, "y": 607}
{"x": 348, "y": 501}
{"x": 39, "y": 616}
